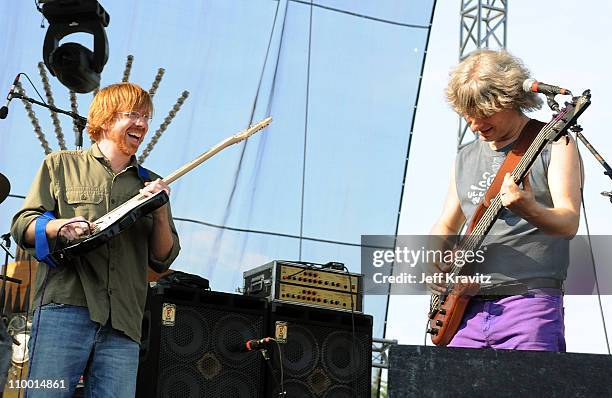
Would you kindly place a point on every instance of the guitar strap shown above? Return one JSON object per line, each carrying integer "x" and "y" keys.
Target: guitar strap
{"x": 143, "y": 173}
{"x": 530, "y": 131}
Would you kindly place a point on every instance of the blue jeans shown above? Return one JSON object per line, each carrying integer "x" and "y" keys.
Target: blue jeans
{"x": 64, "y": 342}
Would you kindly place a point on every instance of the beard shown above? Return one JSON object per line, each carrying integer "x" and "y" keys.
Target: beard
{"x": 124, "y": 144}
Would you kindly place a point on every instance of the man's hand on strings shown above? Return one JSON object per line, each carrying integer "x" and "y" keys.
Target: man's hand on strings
{"x": 518, "y": 200}
{"x": 434, "y": 272}
{"x": 151, "y": 188}
{"x": 69, "y": 228}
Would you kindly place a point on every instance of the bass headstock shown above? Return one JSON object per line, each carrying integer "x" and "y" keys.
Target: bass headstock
{"x": 568, "y": 116}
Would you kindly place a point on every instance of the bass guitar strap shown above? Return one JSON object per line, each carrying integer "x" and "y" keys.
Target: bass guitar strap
{"x": 529, "y": 132}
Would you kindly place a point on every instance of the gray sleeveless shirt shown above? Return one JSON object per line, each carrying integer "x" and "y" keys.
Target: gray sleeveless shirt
{"x": 515, "y": 249}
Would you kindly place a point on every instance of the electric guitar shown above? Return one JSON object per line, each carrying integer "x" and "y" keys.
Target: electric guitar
{"x": 446, "y": 310}
{"x": 113, "y": 223}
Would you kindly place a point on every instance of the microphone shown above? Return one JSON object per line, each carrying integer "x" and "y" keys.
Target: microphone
{"x": 534, "y": 86}
{"x": 257, "y": 344}
{"x": 9, "y": 97}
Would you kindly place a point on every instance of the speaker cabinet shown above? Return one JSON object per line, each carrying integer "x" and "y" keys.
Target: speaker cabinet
{"x": 321, "y": 358}
{"x": 418, "y": 371}
{"x": 190, "y": 344}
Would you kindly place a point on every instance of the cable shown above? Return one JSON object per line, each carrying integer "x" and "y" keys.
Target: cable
{"x": 260, "y": 232}
{"x": 353, "y": 335}
{"x": 306, "y": 106}
{"x": 417, "y": 96}
{"x": 33, "y": 86}
{"x": 425, "y": 336}
{"x": 68, "y": 223}
{"x": 282, "y": 376}
{"x": 42, "y": 295}
{"x": 309, "y": 266}
{"x": 230, "y": 200}
{"x": 281, "y": 384}
{"x": 362, "y": 15}
{"x": 262, "y": 142}
{"x": 586, "y": 222}
{"x": 279, "y": 234}
{"x": 27, "y": 319}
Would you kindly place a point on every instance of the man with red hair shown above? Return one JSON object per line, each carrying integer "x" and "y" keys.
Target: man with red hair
{"x": 88, "y": 310}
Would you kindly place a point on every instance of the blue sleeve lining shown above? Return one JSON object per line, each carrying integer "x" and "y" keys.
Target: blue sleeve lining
{"x": 143, "y": 173}
{"x": 41, "y": 242}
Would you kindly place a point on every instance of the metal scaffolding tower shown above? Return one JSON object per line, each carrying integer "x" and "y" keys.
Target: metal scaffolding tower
{"x": 483, "y": 24}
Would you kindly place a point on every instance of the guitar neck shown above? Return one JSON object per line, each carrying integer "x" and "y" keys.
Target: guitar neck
{"x": 553, "y": 130}
{"x": 216, "y": 149}
{"x": 473, "y": 240}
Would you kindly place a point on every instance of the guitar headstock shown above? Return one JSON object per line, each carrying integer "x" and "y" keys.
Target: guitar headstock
{"x": 244, "y": 134}
{"x": 568, "y": 115}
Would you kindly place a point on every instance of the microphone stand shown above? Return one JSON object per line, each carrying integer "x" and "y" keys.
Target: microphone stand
{"x": 577, "y": 129}
{"x": 5, "y": 246}
{"x": 80, "y": 120}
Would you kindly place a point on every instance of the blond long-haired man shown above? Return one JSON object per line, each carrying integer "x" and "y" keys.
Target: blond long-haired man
{"x": 527, "y": 256}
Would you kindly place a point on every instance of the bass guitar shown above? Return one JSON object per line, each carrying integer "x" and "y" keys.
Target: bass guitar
{"x": 113, "y": 223}
{"x": 446, "y": 310}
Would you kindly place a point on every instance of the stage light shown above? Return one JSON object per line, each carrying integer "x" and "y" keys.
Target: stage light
{"x": 75, "y": 66}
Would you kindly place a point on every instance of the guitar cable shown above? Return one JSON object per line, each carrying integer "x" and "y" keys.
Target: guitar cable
{"x": 89, "y": 224}
{"x": 282, "y": 393}
{"x": 586, "y": 222}
{"x": 353, "y": 335}
{"x": 42, "y": 295}
{"x": 23, "y": 356}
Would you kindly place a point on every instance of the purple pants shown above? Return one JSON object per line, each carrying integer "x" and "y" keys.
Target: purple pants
{"x": 528, "y": 322}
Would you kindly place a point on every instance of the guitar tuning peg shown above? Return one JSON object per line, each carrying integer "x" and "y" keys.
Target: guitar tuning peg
{"x": 576, "y": 128}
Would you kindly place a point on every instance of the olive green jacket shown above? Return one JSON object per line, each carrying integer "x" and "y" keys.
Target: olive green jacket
{"x": 111, "y": 280}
